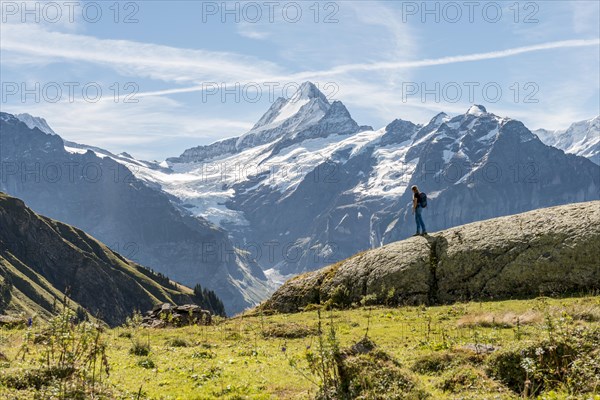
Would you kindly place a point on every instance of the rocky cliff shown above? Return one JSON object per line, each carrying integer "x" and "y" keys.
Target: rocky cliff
{"x": 543, "y": 252}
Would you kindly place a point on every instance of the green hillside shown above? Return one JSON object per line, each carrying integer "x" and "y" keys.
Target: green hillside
{"x": 42, "y": 260}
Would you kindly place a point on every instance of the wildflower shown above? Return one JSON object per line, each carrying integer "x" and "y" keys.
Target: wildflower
{"x": 539, "y": 351}
{"x": 528, "y": 365}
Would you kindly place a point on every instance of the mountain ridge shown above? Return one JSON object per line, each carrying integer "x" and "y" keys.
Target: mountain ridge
{"x": 581, "y": 138}
{"x": 43, "y": 260}
{"x": 35, "y": 122}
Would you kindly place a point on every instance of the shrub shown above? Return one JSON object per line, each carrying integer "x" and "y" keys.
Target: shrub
{"x": 312, "y": 307}
{"x": 205, "y": 354}
{"x": 567, "y": 358}
{"x": 464, "y": 378}
{"x": 361, "y": 371}
{"x": 434, "y": 363}
{"x": 369, "y": 300}
{"x": 290, "y": 330}
{"x": 135, "y": 321}
{"x": 340, "y": 298}
{"x": 37, "y": 378}
{"x": 377, "y": 375}
{"x": 139, "y": 349}
{"x": 146, "y": 363}
{"x": 178, "y": 342}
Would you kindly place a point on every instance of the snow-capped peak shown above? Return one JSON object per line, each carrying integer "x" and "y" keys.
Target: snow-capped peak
{"x": 476, "y": 110}
{"x": 581, "y": 130}
{"x": 35, "y": 122}
{"x": 307, "y": 113}
{"x": 581, "y": 138}
{"x": 271, "y": 113}
{"x": 307, "y": 103}
{"x": 308, "y": 91}
{"x": 439, "y": 119}
{"x": 291, "y": 108}
{"x": 7, "y": 117}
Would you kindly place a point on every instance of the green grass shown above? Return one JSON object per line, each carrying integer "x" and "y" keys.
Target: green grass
{"x": 264, "y": 357}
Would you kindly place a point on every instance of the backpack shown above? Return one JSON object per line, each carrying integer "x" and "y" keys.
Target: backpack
{"x": 423, "y": 199}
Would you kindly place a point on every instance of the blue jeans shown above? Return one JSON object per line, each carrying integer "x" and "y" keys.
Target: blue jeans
{"x": 419, "y": 219}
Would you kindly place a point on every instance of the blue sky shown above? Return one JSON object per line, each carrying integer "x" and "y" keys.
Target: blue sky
{"x": 376, "y": 57}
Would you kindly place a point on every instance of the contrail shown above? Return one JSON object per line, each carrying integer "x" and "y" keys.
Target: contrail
{"x": 398, "y": 65}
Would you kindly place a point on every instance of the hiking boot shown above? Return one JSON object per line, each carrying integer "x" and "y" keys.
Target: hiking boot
{"x": 417, "y": 234}
{"x": 424, "y": 234}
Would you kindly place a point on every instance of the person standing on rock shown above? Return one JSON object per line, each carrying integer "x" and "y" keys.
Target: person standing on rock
{"x": 419, "y": 202}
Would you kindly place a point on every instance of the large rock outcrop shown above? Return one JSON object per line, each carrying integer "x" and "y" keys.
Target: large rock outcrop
{"x": 165, "y": 315}
{"x": 543, "y": 252}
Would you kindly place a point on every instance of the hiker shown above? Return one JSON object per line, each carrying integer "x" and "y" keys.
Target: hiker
{"x": 419, "y": 202}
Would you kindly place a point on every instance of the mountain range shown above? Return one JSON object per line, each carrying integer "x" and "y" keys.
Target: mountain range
{"x": 100, "y": 196}
{"x": 581, "y": 138}
{"x": 305, "y": 187}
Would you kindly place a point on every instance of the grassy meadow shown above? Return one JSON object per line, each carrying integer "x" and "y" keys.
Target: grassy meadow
{"x": 540, "y": 348}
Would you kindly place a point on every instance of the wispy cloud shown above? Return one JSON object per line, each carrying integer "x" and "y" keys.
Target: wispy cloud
{"x": 149, "y": 129}
{"x": 187, "y": 65}
{"x": 368, "y": 54}
{"x": 252, "y": 31}
{"x": 133, "y": 58}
